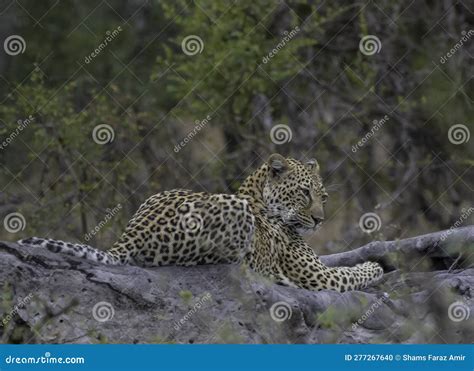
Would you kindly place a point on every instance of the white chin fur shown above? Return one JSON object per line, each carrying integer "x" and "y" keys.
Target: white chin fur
{"x": 308, "y": 231}
{"x": 305, "y": 231}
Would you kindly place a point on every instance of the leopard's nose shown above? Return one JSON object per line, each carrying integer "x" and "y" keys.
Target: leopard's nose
{"x": 317, "y": 220}
{"x": 317, "y": 214}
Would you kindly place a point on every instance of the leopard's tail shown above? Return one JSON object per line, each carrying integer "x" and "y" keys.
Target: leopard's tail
{"x": 74, "y": 249}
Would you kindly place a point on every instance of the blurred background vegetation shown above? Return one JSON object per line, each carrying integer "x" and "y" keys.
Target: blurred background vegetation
{"x": 151, "y": 93}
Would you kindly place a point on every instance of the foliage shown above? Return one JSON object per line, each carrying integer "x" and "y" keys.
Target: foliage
{"x": 151, "y": 93}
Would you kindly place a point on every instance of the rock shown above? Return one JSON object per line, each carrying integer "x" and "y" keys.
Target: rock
{"x": 54, "y": 298}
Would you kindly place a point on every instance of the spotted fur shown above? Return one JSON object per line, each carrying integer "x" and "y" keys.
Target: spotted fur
{"x": 263, "y": 226}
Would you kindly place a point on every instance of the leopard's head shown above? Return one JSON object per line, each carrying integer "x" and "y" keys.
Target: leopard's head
{"x": 294, "y": 192}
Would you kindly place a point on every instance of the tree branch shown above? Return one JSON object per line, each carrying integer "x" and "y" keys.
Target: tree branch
{"x": 448, "y": 244}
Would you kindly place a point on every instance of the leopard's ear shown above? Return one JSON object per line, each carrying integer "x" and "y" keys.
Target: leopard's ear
{"x": 313, "y": 165}
{"x": 278, "y": 164}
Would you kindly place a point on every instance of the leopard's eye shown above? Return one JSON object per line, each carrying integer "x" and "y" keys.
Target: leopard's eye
{"x": 306, "y": 192}
{"x": 324, "y": 197}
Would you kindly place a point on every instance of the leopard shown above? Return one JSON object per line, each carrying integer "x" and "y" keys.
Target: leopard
{"x": 262, "y": 226}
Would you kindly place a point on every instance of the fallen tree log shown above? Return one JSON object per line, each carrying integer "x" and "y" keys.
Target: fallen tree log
{"x": 55, "y": 298}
